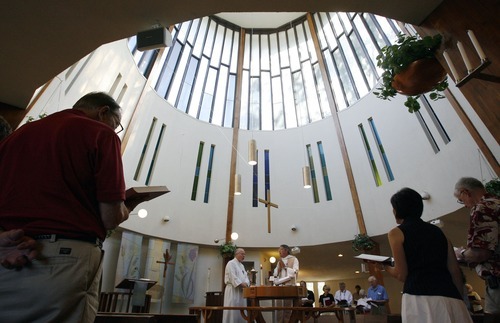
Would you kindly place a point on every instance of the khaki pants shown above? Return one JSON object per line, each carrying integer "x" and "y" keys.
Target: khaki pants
{"x": 60, "y": 286}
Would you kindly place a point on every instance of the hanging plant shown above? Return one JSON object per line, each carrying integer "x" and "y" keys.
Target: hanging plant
{"x": 362, "y": 242}
{"x": 410, "y": 68}
{"x": 227, "y": 250}
{"x": 493, "y": 186}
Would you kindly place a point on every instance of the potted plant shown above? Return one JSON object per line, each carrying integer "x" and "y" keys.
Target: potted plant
{"x": 410, "y": 68}
{"x": 493, "y": 186}
{"x": 227, "y": 250}
{"x": 362, "y": 242}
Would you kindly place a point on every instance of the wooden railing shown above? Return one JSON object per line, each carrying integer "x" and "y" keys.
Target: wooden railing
{"x": 254, "y": 313}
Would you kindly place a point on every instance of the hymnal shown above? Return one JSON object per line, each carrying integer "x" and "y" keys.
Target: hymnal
{"x": 279, "y": 281}
{"x": 145, "y": 193}
{"x": 382, "y": 259}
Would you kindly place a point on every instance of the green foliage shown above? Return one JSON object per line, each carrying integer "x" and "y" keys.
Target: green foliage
{"x": 493, "y": 187}
{"x": 396, "y": 58}
{"x": 362, "y": 242}
{"x": 40, "y": 116}
{"x": 227, "y": 249}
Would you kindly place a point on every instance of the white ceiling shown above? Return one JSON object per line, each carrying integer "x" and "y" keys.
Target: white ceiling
{"x": 260, "y": 19}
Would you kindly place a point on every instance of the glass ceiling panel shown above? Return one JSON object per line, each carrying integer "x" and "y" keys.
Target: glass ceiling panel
{"x": 282, "y": 84}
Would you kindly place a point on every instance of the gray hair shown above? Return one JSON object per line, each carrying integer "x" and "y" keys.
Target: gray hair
{"x": 469, "y": 183}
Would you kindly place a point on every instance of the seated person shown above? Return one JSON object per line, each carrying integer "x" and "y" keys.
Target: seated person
{"x": 307, "y": 301}
{"x": 343, "y": 297}
{"x": 326, "y": 299}
{"x": 362, "y": 305}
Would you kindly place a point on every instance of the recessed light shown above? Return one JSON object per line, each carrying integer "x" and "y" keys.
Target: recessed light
{"x": 341, "y": 255}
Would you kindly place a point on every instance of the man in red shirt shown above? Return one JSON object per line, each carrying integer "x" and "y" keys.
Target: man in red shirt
{"x": 63, "y": 186}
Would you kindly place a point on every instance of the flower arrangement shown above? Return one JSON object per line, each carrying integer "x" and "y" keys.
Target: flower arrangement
{"x": 395, "y": 59}
{"x": 362, "y": 242}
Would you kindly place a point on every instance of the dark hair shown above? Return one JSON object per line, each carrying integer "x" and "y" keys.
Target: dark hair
{"x": 94, "y": 100}
{"x": 287, "y": 248}
{"x": 5, "y": 128}
{"x": 407, "y": 203}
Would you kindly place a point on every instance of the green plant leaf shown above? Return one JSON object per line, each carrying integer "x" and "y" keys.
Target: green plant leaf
{"x": 395, "y": 58}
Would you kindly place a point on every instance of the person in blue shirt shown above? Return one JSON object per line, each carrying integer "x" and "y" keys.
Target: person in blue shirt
{"x": 378, "y": 296}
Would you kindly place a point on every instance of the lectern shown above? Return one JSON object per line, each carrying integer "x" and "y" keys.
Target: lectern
{"x": 137, "y": 293}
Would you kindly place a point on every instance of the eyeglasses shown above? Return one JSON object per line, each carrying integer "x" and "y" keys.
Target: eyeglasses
{"x": 459, "y": 201}
{"x": 119, "y": 128}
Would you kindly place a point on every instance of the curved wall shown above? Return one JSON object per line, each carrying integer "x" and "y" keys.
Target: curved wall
{"x": 411, "y": 157}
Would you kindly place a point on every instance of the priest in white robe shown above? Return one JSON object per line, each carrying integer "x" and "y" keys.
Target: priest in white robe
{"x": 235, "y": 278}
{"x": 287, "y": 272}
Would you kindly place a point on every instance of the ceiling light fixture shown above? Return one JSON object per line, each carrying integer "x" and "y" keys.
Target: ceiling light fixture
{"x": 252, "y": 152}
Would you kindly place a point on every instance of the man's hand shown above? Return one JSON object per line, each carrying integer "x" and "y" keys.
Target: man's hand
{"x": 16, "y": 249}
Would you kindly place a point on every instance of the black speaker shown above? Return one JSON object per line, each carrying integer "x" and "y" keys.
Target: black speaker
{"x": 153, "y": 39}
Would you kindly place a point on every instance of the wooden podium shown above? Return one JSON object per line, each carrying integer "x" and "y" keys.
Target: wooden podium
{"x": 255, "y": 293}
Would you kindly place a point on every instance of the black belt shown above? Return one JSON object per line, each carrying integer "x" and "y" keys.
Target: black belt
{"x": 55, "y": 237}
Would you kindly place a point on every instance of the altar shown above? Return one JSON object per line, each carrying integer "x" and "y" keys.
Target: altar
{"x": 256, "y": 293}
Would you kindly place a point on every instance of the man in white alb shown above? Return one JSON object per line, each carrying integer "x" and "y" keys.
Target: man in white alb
{"x": 288, "y": 266}
{"x": 235, "y": 278}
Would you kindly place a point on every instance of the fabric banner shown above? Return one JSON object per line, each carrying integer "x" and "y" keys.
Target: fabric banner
{"x": 129, "y": 259}
{"x": 184, "y": 278}
{"x": 156, "y": 269}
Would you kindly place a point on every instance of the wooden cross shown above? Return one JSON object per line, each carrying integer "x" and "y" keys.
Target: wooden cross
{"x": 166, "y": 259}
{"x": 268, "y": 204}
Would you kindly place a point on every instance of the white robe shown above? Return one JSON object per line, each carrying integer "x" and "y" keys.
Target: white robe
{"x": 291, "y": 262}
{"x": 234, "y": 275}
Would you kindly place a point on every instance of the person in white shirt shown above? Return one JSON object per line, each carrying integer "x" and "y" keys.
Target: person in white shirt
{"x": 236, "y": 279}
{"x": 288, "y": 266}
{"x": 343, "y": 297}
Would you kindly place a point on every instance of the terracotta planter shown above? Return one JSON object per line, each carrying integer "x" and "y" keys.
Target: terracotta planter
{"x": 419, "y": 77}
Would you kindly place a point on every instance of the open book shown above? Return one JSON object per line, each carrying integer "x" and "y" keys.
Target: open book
{"x": 145, "y": 193}
{"x": 376, "y": 258}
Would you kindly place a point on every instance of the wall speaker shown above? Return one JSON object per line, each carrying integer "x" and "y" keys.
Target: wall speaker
{"x": 153, "y": 39}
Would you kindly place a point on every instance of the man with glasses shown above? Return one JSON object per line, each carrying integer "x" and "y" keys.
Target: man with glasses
{"x": 483, "y": 250}
{"x": 62, "y": 188}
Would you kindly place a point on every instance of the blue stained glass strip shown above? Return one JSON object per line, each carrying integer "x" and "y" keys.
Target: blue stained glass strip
{"x": 255, "y": 181}
{"x": 267, "y": 181}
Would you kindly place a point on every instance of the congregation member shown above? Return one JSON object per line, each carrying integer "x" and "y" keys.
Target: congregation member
{"x": 483, "y": 249}
{"x": 425, "y": 262}
{"x": 326, "y": 299}
{"x": 63, "y": 186}
{"x": 377, "y": 295}
{"x": 343, "y": 297}
{"x": 307, "y": 301}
